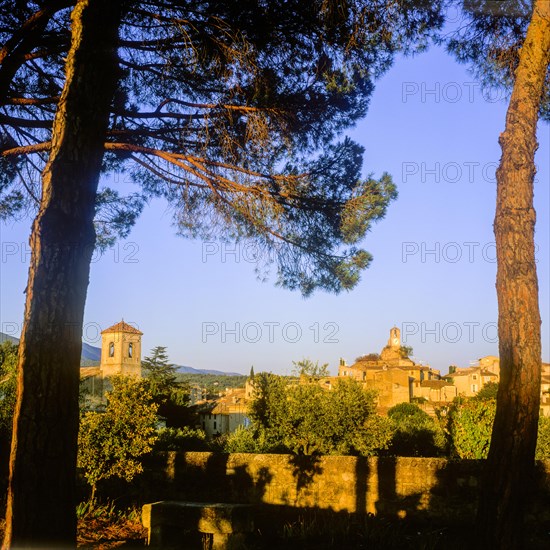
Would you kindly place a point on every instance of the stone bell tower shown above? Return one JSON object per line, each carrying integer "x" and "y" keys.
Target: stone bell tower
{"x": 121, "y": 350}
{"x": 395, "y": 338}
{"x": 392, "y": 352}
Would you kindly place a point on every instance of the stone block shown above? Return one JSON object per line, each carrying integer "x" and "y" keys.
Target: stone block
{"x": 167, "y": 523}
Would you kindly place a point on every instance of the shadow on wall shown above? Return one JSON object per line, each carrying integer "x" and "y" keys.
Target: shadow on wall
{"x": 297, "y": 493}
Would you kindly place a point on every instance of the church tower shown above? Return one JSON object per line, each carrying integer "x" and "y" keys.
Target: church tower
{"x": 395, "y": 338}
{"x": 392, "y": 352}
{"x": 121, "y": 350}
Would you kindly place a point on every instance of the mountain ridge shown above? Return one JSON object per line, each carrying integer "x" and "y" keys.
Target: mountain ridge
{"x": 92, "y": 355}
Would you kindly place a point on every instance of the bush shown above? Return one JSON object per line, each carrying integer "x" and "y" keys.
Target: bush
{"x": 244, "y": 440}
{"x": 470, "y": 427}
{"x": 543, "y": 441}
{"x": 305, "y": 419}
{"x": 181, "y": 439}
{"x": 488, "y": 391}
{"x": 111, "y": 443}
{"x": 416, "y": 433}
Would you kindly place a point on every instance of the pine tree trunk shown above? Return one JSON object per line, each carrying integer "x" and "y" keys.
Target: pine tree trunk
{"x": 41, "y": 498}
{"x": 509, "y": 473}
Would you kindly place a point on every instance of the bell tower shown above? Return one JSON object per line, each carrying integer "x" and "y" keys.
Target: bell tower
{"x": 121, "y": 350}
{"x": 395, "y": 338}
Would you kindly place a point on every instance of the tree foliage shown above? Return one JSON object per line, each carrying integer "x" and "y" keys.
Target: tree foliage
{"x": 163, "y": 379}
{"x": 181, "y": 439}
{"x": 111, "y": 443}
{"x": 415, "y": 433}
{"x": 307, "y": 419}
{"x": 543, "y": 440}
{"x": 488, "y": 391}
{"x": 470, "y": 427}
{"x": 488, "y": 38}
{"x": 8, "y": 387}
{"x": 309, "y": 370}
{"x": 230, "y": 114}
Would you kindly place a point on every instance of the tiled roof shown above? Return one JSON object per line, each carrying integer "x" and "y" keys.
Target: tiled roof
{"x": 122, "y": 327}
{"x": 436, "y": 384}
{"x": 485, "y": 372}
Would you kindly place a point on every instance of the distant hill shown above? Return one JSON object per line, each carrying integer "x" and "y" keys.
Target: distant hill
{"x": 6, "y": 337}
{"x": 92, "y": 355}
{"x": 89, "y": 353}
{"x": 190, "y": 370}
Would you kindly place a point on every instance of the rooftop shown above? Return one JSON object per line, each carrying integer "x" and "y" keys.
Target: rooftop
{"x": 122, "y": 327}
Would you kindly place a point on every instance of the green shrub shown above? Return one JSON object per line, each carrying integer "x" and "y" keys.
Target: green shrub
{"x": 415, "y": 433}
{"x": 111, "y": 443}
{"x": 470, "y": 427}
{"x": 180, "y": 439}
{"x": 543, "y": 441}
{"x": 244, "y": 440}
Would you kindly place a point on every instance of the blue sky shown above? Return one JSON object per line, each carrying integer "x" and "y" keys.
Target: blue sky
{"x": 434, "y": 259}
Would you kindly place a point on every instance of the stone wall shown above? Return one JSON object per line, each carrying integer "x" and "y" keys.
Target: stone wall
{"x": 397, "y": 487}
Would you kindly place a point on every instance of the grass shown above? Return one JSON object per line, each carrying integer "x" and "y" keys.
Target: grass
{"x": 103, "y": 526}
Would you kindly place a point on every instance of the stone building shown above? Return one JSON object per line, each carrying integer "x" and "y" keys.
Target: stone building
{"x": 468, "y": 381}
{"x": 120, "y": 354}
{"x": 396, "y": 377}
{"x": 120, "y": 350}
{"x": 225, "y": 414}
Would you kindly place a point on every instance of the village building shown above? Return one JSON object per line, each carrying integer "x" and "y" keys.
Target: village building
{"x": 470, "y": 380}
{"x": 120, "y": 354}
{"x": 225, "y": 414}
{"x": 396, "y": 377}
{"x": 121, "y": 350}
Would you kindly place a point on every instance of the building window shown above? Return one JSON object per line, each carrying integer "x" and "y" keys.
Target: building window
{"x": 111, "y": 349}
{"x": 474, "y": 376}
{"x": 214, "y": 424}
{"x": 474, "y": 388}
{"x": 130, "y": 350}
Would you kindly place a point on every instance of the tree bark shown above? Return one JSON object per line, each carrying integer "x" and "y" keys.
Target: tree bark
{"x": 41, "y": 498}
{"x": 509, "y": 474}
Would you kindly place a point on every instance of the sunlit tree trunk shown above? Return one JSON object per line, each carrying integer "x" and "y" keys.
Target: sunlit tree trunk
{"x": 41, "y": 499}
{"x": 510, "y": 466}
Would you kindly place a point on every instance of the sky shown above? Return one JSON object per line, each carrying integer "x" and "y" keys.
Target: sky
{"x": 433, "y": 272}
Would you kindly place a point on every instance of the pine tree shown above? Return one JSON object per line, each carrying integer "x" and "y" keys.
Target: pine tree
{"x": 509, "y": 45}
{"x": 227, "y": 110}
{"x": 162, "y": 376}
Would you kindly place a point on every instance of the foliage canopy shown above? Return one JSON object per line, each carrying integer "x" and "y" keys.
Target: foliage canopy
{"x": 230, "y": 112}
{"x": 111, "y": 443}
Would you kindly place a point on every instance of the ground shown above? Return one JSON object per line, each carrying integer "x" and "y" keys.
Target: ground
{"x": 105, "y": 533}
